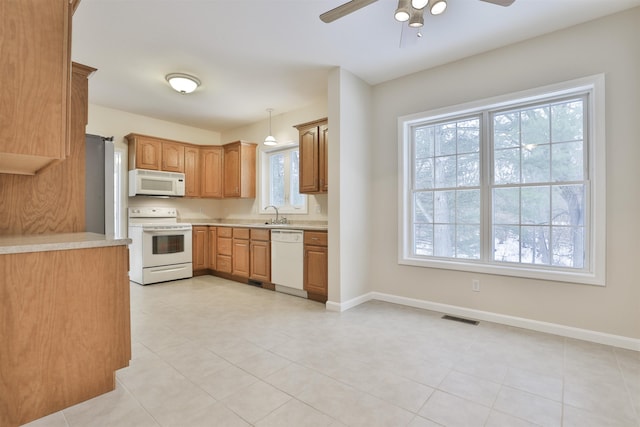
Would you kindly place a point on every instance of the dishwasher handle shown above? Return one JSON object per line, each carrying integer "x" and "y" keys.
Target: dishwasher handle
{"x": 287, "y": 236}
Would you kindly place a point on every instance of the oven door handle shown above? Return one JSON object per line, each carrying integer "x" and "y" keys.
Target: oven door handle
{"x": 167, "y": 232}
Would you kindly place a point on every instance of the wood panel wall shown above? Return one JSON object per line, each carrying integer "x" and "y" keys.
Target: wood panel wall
{"x": 53, "y": 200}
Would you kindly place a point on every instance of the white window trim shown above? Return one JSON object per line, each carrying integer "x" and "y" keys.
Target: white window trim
{"x": 596, "y": 275}
{"x": 263, "y": 199}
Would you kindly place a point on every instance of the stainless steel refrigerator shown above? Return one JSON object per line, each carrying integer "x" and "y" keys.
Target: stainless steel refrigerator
{"x": 99, "y": 180}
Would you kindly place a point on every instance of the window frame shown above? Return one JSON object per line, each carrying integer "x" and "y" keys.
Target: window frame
{"x": 264, "y": 196}
{"x": 595, "y": 201}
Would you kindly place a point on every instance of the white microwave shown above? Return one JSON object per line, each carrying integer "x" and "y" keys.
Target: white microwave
{"x": 155, "y": 183}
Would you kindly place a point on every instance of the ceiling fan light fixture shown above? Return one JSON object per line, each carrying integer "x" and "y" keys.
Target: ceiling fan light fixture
{"x": 183, "y": 83}
{"x": 417, "y": 19}
{"x": 436, "y": 7}
{"x": 270, "y": 140}
{"x": 403, "y": 11}
{"x": 419, "y": 4}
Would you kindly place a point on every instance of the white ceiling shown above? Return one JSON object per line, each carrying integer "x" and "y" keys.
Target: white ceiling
{"x": 256, "y": 54}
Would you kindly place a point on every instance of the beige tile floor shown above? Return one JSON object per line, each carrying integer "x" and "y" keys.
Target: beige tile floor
{"x": 209, "y": 352}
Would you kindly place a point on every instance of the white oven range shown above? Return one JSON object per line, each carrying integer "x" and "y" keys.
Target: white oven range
{"x": 160, "y": 247}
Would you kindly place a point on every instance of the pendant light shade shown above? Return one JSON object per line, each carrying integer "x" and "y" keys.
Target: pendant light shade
{"x": 183, "y": 83}
{"x": 417, "y": 19}
{"x": 270, "y": 140}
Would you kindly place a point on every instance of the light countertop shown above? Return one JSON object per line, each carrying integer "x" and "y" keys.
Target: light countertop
{"x": 56, "y": 242}
{"x": 309, "y": 225}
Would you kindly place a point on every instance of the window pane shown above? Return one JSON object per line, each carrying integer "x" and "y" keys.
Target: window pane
{"x": 423, "y": 240}
{"x": 568, "y": 205}
{"x": 506, "y": 130}
{"x": 536, "y": 205}
{"x": 468, "y": 242}
{"x": 423, "y": 142}
{"x": 297, "y": 199}
{"x": 468, "y": 207}
{"x": 506, "y": 166}
{"x": 469, "y": 170}
{"x": 535, "y": 245}
{"x": 506, "y": 206}
{"x": 567, "y": 161}
{"x": 444, "y": 203}
{"x": 424, "y": 174}
{"x": 568, "y": 246}
{"x": 535, "y": 126}
{"x": 506, "y": 243}
{"x": 567, "y": 121}
{"x": 443, "y": 240}
{"x": 536, "y": 163}
{"x": 276, "y": 182}
{"x": 469, "y": 136}
{"x": 445, "y": 135}
{"x": 445, "y": 172}
{"x": 423, "y": 207}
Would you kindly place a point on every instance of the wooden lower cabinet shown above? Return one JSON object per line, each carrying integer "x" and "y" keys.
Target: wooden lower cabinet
{"x": 316, "y": 265}
{"x": 213, "y": 247}
{"x": 240, "y": 256}
{"x": 65, "y": 328}
{"x": 224, "y": 242}
{"x": 200, "y": 243}
{"x": 260, "y": 255}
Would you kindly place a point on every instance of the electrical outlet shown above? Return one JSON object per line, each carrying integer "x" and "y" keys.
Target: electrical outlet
{"x": 475, "y": 285}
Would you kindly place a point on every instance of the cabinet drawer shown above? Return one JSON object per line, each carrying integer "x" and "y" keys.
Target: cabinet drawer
{"x": 223, "y": 263}
{"x": 318, "y": 238}
{"x": 225, "y": 231}
{"x": 260, "y": 234}
{"x": 224, "y": 245}
{"x": 240, "y": 233}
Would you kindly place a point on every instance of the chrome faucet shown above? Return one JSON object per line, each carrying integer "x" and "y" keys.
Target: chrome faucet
{"x": 276, "y": 220}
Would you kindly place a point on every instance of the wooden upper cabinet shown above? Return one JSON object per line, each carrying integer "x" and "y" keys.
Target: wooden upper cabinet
{"x": 35, "y": 75}
{"x": 152, "y": 153}
{"x": 314, "y": 138}
{"x": 240, "y": 169}
{"x": 211, "y": 171}
{"x": 145, "y": 152}
{"x": 172, "y": 156}
{"x": 192, "y": 171}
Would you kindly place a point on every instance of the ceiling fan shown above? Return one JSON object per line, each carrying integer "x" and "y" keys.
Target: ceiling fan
{"x": 403, "y": 13}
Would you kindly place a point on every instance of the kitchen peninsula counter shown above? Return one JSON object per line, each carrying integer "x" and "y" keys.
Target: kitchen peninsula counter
{"x": 64, "y": 321}
{"x": 16, "y": 244}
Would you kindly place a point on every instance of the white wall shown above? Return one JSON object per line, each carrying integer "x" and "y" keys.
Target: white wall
{"x": 610, "y": 46}
{"x": 349, "y": 186}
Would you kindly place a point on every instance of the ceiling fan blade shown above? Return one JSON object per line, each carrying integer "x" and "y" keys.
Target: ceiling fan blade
{"x": 504, "y": 3}
{"x": 344, "y": 10}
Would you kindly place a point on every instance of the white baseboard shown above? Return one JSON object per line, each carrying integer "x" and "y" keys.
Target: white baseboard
{"x": 520, "y": 322}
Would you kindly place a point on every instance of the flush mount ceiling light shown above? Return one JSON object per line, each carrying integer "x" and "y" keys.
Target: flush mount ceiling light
{"x": 183, "y": 83}
{"x": 270, "y": 140}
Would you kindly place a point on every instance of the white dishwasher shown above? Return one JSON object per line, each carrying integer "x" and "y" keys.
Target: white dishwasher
{"x": 287, "y": 261}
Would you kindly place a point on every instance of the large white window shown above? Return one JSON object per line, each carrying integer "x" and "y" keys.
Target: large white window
{"x": 280, "y": 181}
{"x": 510, "y": 186}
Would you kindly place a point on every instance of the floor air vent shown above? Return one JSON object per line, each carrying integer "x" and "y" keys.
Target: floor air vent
{"x": 460, "y": 319}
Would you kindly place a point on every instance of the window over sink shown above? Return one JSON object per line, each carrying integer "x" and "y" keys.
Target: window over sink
{"x": 280, "y": 173}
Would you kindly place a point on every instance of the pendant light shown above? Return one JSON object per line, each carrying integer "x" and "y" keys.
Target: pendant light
{"x": 270, "y": 140}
